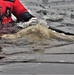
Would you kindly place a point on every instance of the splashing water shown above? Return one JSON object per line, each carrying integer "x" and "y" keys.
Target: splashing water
{"x": 39, "y": 32}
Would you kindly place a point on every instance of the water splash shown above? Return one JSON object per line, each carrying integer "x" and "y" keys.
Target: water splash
{"x": 39, "y": 32}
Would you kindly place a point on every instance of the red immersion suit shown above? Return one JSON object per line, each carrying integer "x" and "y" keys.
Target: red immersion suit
{"x": 15, "y": 7}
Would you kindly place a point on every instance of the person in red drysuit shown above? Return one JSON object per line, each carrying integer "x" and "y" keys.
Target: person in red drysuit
{"x": 15, "y": 7}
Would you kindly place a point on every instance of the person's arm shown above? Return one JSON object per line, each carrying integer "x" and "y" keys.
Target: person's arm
{"x": 21, "y": 12}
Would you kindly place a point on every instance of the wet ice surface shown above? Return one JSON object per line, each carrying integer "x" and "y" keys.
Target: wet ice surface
{"x": 49, "y": 57}
{"x": 33, "y": 68}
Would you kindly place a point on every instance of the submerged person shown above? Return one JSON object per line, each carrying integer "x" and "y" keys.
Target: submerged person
{"x": 15, "y": 7}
